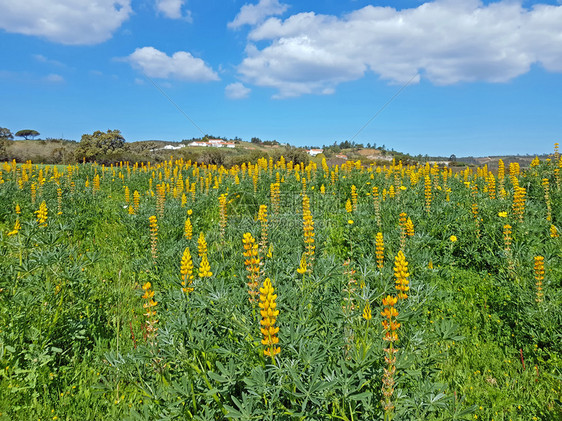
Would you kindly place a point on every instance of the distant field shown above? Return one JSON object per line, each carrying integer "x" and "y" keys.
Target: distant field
{"x": 278, "y": 291}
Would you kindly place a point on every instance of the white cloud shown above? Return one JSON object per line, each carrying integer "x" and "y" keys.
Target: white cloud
{"x": 445, "y": 41}
{"x": 42, "y": 59}
{"x": 65, "y": 21}
{"x": 237, "y": 91}
{"x": 53, "y": 78}
{"x": 251, "y": 14}
{"x": 172, "y": 9}
{"x": 181, "y": 65}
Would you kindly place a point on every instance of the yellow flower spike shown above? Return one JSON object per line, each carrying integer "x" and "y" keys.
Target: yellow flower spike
{"x": 269, "y": 313}
{"x": 186, "y": 271}
{"x": 302, "y": 267}
{"x": 401, "y": 274}
{"x": 367, "y": 311}
{"x": 42, "y": 214}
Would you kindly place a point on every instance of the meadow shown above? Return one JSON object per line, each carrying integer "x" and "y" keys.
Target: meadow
{"x": 279, "y": 291}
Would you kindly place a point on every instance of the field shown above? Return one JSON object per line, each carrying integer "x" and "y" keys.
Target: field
{"x": 279, "y": 291}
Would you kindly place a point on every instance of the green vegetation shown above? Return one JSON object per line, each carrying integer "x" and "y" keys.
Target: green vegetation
{"x": 26, "y": 133}
{"x": 103, "y": 315}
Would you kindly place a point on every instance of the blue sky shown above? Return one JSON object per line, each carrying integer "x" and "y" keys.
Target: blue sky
{"x": 482, "y": 78}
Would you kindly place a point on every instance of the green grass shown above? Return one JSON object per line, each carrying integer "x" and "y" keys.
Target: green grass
{"x": 474, "y": 343}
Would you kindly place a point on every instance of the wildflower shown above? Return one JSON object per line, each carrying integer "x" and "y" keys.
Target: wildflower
{"x": 379, "y": 250}
{"x": 269, "y": 313}
{"x": 149, "y": 306}
{"x": 59, "y": 201}
{"x": 377, "y": 205}
{"x": 42, "y": 214}
{"x": 17, "y": 228}
{"x": 186, "y": 271}
{"x": 401, "y": 274}
{"x": 539, "y": 276}
{"x": 390, "y": 326}
{"x": 262, "y": 218}
{"x": 188, "y": 229}
{"x": 96, "y": 184}
{"x": 136, "y": 200}
{"x": 502, "y": 214}
{"x": 546, "y": 188}
{"x": 275, "y": 195}
{"x": 350, "y": 221}
{"x": 302, "y": 267}
{"x": 367, "y": 311}
{"x": 223, "y": 215}
{"x": 201, "y": 245}
{"x": 453, "y": 238}
{"x": 519, "y": 202}
{"x": 353, "y": 197}
{"x": 553, "y": 231}
{"x": 153, "y": 222}
{"x": 348, "y": 206}
{"x": 427, "y": 193}
{"x": 308, "y": 229}
{"x": 205, "y": 268}
{"x": 252, "y": 263}
{"x": 409, "y": 228}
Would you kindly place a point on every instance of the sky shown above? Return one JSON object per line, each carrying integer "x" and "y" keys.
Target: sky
{"x": 463, "y": 77}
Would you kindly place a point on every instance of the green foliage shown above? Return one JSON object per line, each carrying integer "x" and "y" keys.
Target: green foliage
{"x": 473, "y": 342}
{"x": 6, "y": 134}
{"x": 26, "y": 133}
{"x": 101, "y": 147}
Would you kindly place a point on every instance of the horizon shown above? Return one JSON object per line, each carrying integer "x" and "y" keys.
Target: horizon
{"x": 464, "y": 77}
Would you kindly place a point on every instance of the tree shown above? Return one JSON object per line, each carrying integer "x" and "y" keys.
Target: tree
{"x": 25, "y": 133}
{"x": 255, "y": 140}
{"x": 6, "y": 134}
{"x": 101, "y": 146}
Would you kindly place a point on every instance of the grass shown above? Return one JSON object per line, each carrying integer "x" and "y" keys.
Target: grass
{"x": 473, "y": 342}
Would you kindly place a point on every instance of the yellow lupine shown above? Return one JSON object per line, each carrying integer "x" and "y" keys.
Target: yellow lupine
{"x": 269, "y": 313}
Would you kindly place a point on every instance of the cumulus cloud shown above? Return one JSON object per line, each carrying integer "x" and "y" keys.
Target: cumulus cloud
{"x": 71, "y": 22}
{"x": 172, "y": 9}
{"x": 236, "y": 91}
{"x": 445, "y": 42}
{"x": 251, "y": 14}
{"x": 181, "y": 65}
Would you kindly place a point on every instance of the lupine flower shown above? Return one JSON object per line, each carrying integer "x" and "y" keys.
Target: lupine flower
{"x": 205, "y": 268}
{"x": 186, "y": 271}
{"x": 379, "y": 250}
{"x": 17, "y": 228}
{"x": 390, "y": 326}
{"x": 401, "y": 274}
{"x": 153, "y": 222}
{"x": 252, "y": 263}
{"x": 367, "y": 311}
{"x": 269, "y": 313}
{"x": 42, "y": 214}
{"x": 539, "y": 276}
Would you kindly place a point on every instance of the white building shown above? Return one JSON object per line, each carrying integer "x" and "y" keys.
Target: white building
{"x": 214, "y": 143}
{"x": 314, "y": 152}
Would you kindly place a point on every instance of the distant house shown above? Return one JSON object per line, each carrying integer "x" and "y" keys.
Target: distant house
{"x": 341, "y": 156}
{"x": 214, "y": 143}
{"x": 314, "y": 152}
{"x": 168, "y": 147}
{"x": 197, "y": 144}
{"x": 172, "y": 147}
